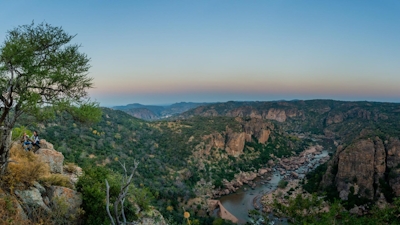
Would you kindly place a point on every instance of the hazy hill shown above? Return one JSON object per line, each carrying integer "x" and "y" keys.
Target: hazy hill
{"x": 154, "y": 112}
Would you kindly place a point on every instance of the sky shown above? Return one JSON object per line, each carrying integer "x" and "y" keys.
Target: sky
{"x": 161, "y": 52}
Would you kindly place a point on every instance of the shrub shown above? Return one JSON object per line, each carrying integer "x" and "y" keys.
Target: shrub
{"x": 282, "y": 183}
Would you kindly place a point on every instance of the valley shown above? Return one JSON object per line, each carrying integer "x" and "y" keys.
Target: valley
{"x": 211, "y": 151}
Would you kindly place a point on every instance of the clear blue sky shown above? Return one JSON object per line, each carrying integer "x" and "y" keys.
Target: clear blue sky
{"x": 156, "y": 52}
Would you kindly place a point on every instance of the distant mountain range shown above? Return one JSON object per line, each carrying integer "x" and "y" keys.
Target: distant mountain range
{"x": 155, "y": 112}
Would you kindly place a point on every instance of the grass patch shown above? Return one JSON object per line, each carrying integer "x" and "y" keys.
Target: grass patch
{"x": 24, "y": 169}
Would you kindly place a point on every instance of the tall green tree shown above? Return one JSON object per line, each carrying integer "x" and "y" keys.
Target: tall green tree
{"x": 40, "y": 72}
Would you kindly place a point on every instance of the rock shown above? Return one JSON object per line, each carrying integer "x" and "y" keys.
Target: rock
{"x": 393, "y": 152}
{"x": 356, "y": 165}
{"x": 380, "y": 163}
{"x": 356, "y": 211}
{"x": 263, "y": 136}
{"x": 41, "y": 189}
{"x": 69, "y": 196}
{"x": 271, "y": 162}
{"x": 394, "y": 180}
{"x": 262, "y": 171}
{"x": 276, "y": 114}
{"x": 212, "y": 204}
{"x": 362, "y": 166}
{"x": 53, "y": 158}
{"x": 294, "y": 174}
{"x": 73, "y": 172}
{"x": 32, "y": 198}
{"x": 235, "y": 143}
{"x": 151, "y": 217}
{"x": 15, "y": 205}
{"x": 45, "y": 144}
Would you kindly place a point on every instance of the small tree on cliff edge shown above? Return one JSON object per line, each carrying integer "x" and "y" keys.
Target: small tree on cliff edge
{"x": 39, "y": 74}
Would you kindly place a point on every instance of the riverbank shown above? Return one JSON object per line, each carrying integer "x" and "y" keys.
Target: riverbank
{"x": 249, "y": 197}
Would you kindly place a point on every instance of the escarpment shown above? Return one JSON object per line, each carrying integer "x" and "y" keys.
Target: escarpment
{"x": 364, "y": 168}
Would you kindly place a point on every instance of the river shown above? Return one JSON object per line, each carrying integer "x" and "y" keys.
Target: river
{"x": 241, "y": 202}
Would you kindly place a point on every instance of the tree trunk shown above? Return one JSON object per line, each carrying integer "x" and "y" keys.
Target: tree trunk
{"x": 5, "y": 144}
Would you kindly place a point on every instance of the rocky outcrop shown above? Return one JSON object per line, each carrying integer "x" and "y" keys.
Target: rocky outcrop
{"x": 393, "y": 163}
{"x": 393, "y": 152}
{"x": 238, "y": 181}
{"x": 257, "y": 128}
{"x": 340, "y": 116}
{"x": 72, "y": 198}
{"x": 73, "y": 172}
{"x": 15, "y": 206}
{"x": 357, "y": 166}
{"x": 276, "y": 114}
{"x": 361, "y": 168}
{"x": 32, "y": 199}
{"x": 47, "y": 201}
{"x": 53, "y": 158}
{"x": 235, "y": 143}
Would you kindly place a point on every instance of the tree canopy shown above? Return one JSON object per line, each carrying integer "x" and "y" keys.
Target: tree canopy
{"x": 40, "y": 72}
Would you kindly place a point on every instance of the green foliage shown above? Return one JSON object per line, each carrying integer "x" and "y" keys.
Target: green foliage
{"x": 282, "y": 184}
{"x": 309, "y": 211}
{"x": 92, "y": 186}
{"x": 40, "y": 73}
{"x": 17, "y": 132}
{"x": 314, "y": 178}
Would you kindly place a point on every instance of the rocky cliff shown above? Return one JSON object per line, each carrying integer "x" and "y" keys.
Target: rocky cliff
{"x": 34, "y": 186}
{"x": 233, "y": 142}
{"x": 365, "y": 167}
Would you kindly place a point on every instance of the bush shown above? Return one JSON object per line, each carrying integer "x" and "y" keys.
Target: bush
{"x": 282, "y": 184}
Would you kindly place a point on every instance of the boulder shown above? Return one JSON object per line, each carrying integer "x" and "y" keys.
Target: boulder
{"x": 45, "y": 144}
{"x": 262, "y": 171}
{"x": 32, "y": 198}
{"x": 53, "y": 158}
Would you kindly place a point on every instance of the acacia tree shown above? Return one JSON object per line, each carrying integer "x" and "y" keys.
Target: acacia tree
{"x": 40, "y": 72}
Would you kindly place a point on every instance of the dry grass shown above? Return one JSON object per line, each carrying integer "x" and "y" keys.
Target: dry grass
{"x": 56, "y": 180}
{"x": 9, "y": 212}
{"x": 24, "y": 169}
{"x": 70, "y": 167}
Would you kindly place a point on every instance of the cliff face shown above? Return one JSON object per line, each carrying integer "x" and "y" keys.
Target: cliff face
{"x": 233, "y": 142}
{"x": 362, "y": 167}
{"x": 393, "y": 163}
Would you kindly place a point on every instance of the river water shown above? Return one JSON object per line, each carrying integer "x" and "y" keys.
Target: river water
{"x": 241, "y": 202}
